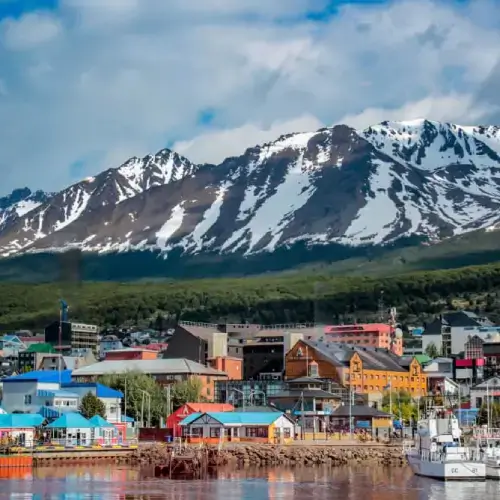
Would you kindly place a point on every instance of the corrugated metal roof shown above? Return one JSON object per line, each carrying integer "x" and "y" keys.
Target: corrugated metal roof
{"x": 151, "y": 366}
{"x": 71, "y": 420}
{"x": 241, "y": 418}
{"x": 43, "y": 376}
{"x": 98, "y": 421}
{"x": 101, "y": 391}
{"x": 207, "y": 407}
{"x": 20, "y": 420}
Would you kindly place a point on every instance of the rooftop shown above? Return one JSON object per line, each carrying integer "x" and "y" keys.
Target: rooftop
{"x": 340, "y": 354}
{"x": 101, "y": 391}
{"x": 42, "y": 376}
{"x": 42, "y": 348}
{"x": 150, "y": 366}
{"x": 71, "y": 420}
{"x": 237, "y": 418}
{"x": 20, "y": 420}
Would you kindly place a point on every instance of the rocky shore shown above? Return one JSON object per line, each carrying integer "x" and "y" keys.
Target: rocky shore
{"x": 264, "y": 455}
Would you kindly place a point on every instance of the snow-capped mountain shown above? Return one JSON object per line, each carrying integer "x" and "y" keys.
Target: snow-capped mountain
{"x": 373, "y": 186}
{"x": 19, "y": 203}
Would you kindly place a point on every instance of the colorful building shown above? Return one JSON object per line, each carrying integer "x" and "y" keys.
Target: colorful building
{"x": 21, "y": 427}
{"x": 174, "y": 420}
{"x": 256, "y": 427}
{"x": 367, "y": 335}
{"x": 367, "y": 370}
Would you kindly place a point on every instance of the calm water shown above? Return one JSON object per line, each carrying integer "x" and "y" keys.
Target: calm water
{"x": 84, "y": 483}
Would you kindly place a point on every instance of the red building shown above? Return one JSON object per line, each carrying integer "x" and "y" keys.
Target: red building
{"x": 181, "y": 413}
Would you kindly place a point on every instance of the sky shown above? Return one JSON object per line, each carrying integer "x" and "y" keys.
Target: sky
{"x": 86, "y": 84}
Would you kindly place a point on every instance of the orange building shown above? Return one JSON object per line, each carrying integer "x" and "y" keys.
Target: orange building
{"x": 231, "y": 366}
{"x": 130, "y": 353}
{"x": 370, "y": 334}
{"x": 367, "y": 370}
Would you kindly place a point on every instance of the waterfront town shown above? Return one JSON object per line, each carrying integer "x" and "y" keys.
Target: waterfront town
{"x": 257, "y": 384}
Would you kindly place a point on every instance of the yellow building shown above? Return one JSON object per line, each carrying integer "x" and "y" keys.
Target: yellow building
{"x": 367, "y": 370}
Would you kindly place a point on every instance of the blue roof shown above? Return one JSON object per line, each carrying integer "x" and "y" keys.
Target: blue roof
{"x": 20, "y": 420}
{"x": 44, "y": 376}
{"x": 242, "y": 418}
{"x": 98, "y": 421}
{"x": 71, "y": 420}
{"x": 126, "y": 418}
{"x": 190, "y": 418}
{"x": 102, "y": 391}
{"x": 56, "y": 394}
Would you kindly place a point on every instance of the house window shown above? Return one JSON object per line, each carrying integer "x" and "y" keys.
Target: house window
{"x": 195, "y": 431}
{"x": 287, "y": 434}
{"x": 313, "y": 370}
{"x": 27, "y": 399}
{"x": 214, "y": 432}
{"x": 257, "y": 432}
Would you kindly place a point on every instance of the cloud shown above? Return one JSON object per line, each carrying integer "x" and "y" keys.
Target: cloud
{"x": 29, "y": 31}
{"x": 215, "y": 145}
{"x": 95, "y": 82}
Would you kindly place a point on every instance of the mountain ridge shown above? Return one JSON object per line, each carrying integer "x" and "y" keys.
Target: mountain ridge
{"x": 339, "y": 186}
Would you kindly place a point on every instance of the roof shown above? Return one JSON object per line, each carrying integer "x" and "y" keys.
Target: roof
{"x": 43, "y": 347}
{"x": 308, "y": 394}
{"x": 339, "y": 354}
{"x": 98, "y": 421}
{"x": 42, "y": 376}
{"x": 258, "y": 409}
{"x": 20, "y": 420}
{"x": 56, "y": 394}
{"x": 358, "y": 411}
{"x": 150, "y": 366}
{"x": 422, "y": 358}
{"x": 455, "y": 319}
{"x": 101, "y": 391}
{"x": 241, "y": 418}
{"x": 206, "y": 407}
{"x": 71, "y": 420}
{"x": 126, "y": 418}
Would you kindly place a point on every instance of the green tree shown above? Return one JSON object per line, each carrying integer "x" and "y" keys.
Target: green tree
{"x": 401, "y": 404}
{"x": 91, "y": 405}
{"x": 482, "y": 416}
{"x": 188, "y": 391}
{"x": 432, "y": 351}
{"x": 141, "y": 392}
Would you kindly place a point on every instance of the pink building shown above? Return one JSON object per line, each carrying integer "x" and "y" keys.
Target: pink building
{"x": 369, "y": 335}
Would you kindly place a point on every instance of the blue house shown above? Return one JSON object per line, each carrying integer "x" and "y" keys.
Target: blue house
{"x": 72, "y": 429}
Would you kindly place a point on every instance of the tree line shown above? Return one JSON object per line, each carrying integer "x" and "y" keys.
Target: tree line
{"x": 268, "y": 299}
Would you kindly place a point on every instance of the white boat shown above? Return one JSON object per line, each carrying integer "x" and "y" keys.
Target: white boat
{"x": 439, "y": 452}
{"x": 487, "y": 444}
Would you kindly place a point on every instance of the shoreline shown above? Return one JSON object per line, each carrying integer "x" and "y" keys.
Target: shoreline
{"x": 269, "y": 454}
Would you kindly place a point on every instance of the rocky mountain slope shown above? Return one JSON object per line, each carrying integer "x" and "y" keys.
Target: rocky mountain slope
{"x": 336, "y": 185}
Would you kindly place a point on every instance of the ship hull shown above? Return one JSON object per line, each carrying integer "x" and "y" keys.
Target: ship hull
{"x": 449, "y": 470}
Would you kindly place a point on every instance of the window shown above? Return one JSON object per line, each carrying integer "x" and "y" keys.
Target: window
{"x": 214, "y": 432}
{"x": 287, "y": 433}
{"x": 27, "y": 399}
{"x": 257, "y": 432}
{"x": 313, "y": 370}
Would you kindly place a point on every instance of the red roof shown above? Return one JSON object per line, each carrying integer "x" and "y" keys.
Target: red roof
{"x": 206, "y": 407}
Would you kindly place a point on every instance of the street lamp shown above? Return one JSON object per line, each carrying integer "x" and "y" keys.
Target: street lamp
{"x": 242, "y": 396}
{"x": 257, "y": 391}
{"x": 148, "y": 396}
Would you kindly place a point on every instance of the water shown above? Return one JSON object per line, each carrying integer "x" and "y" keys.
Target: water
{"x": 320, "y": 483}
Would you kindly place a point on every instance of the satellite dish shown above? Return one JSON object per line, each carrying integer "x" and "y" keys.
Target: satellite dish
{"x": 399, "y": 333}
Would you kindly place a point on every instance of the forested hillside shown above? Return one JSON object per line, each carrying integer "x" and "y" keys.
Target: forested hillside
{"x": 272, "y": 299}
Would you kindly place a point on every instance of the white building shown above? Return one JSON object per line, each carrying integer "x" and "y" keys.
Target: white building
{"x": 450, "y": 331}
{"x": 488, "y": 389}
{"x": 53, "y": 394}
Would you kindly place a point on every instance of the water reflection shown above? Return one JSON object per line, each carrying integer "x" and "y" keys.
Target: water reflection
{"x": 320, "y": 483}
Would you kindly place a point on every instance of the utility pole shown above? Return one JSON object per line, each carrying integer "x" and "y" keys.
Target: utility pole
{"x": 350, "y": 411}
{"x": 302, "y": 415}
{"x": 142, "y": 410}
{"x": 125, "y": 399}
